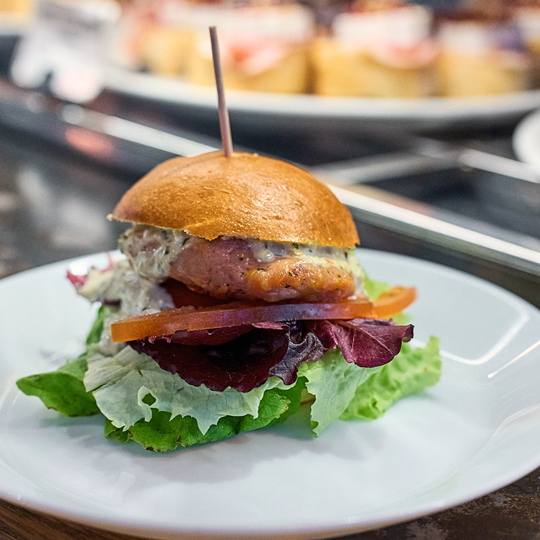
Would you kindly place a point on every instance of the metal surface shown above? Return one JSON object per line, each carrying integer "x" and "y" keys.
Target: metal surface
{"x": 379, "y": 208}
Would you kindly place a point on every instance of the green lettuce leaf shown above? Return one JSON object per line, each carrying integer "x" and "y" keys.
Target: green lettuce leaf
{"x": 164, "y": 434}
{"x": 97, "y": 328}
{"x": 294, "y": 395}
{"x": 143, "y": 403}
{"x": 122, "y": 383}
{"x": 62, "y": 390}
{"x": 333, "y": 383}
{"x": 412, "y": 370}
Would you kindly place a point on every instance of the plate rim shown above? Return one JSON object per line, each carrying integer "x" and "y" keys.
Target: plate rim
{"x": 308, "y": 106}
{"x": 354, "y": 524}
{"x": 526, "y": 140}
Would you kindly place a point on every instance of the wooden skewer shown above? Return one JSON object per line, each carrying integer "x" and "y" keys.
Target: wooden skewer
{"x": 224, "y": 125}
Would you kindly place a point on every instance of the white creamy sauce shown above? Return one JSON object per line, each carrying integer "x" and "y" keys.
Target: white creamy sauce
{"x": 265, "y": 251}
{"x": 152, "y": 250}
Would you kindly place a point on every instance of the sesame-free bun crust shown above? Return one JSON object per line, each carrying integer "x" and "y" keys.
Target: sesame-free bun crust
{"x": 244, "y": 195}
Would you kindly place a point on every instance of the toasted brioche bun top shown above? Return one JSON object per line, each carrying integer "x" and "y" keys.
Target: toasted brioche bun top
{"x": 244, "y": 195}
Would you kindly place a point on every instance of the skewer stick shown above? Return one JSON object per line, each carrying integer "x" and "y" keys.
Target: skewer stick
{"x": 224, "y": 125}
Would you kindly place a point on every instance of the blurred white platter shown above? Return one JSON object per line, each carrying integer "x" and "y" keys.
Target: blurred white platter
{"x": 474, "y": 432}
{"x": 300, "y": 111}
{"x": 526, "y": 140}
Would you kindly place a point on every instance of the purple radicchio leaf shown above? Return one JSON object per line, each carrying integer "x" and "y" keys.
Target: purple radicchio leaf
{"x": 243, "y": 362}
{"x": 309, "y": 349}
{"x": 364, "y": 342}
{"x": 79, "y": 280}
{"x": 244, "y": 357}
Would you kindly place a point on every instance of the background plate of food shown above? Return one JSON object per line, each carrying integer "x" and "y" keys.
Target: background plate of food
{"x": 339, "y": 64}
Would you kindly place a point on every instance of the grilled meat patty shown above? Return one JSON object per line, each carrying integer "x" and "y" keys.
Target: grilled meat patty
{"x": 244, "y": 268}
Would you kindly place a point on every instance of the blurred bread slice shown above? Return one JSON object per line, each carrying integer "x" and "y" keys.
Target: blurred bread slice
{"x": 385, "y": 53}
{"x": 167, "y": 49}
{"x": 481, "y": 58}
{"x": 287, "y": 74}
{"x": 263, "y": 48}
{"x": 344, "y": 71}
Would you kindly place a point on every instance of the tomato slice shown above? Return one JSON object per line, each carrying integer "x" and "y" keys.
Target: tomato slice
{"x": 394, "y": 301}
{"x": 231, "y": 314}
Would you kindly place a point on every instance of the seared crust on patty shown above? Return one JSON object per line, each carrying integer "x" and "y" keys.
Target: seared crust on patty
{"x": 313, "y": 281}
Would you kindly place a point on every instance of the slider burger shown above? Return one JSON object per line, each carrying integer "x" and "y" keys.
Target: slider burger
{"x": 239, "y": 299}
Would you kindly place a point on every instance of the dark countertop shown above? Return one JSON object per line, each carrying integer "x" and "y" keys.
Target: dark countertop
{"x": 52, "y": 207}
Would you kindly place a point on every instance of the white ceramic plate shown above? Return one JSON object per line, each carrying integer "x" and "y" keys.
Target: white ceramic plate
{"x": 526, "y": 140}
{"x": 297, "y": 111}
{"x": 474, "y": 432}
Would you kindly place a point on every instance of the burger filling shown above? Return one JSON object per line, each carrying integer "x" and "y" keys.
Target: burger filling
{"x": 186, "y": 386}
{"x": 244, "y": 268}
